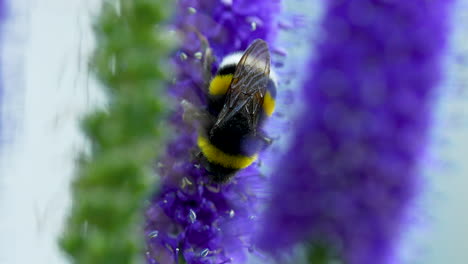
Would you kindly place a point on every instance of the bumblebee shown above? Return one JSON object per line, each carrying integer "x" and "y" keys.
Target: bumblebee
{"x": 241, "y": 96}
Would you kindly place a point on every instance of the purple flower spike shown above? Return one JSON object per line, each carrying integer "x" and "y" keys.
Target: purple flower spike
{"x": 230, "y": 25}
{"x": 191, "y": 220}
{"x": 201, "y": 222}
{"x": 350, "y": 171}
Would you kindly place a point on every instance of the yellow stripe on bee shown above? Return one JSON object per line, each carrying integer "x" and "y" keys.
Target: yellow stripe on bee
{"x": 268, "y": 104}
{"x": 220, "y": 84}
{"x": 216, "y": 156}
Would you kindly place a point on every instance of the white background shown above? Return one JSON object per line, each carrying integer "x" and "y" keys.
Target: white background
{"x": 46, "y": 81}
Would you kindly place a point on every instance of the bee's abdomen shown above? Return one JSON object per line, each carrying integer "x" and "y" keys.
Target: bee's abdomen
{"x": 222, "y": 159}
{"x": 231, "y": 145}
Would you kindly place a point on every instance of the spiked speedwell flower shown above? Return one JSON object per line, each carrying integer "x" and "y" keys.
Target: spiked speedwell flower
{"x": 362, "y": 130}
{"x": 190, "y": 220}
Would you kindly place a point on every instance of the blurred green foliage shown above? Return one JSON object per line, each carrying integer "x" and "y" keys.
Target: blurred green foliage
{"x": 321, "y": 252}
{"x": 115, "y": 178}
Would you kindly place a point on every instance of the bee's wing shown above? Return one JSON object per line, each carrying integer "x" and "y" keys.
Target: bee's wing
{"x": 248, "y": 86}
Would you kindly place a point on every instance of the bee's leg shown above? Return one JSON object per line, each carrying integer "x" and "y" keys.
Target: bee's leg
{"x": 195, "y": 116}
{"x": 197, "y": 157}
{"x": 206, "y": 53}
{"x": 191, "y": 114}
{"x": 267, "y": 141}
{"x": 207, "y": 57}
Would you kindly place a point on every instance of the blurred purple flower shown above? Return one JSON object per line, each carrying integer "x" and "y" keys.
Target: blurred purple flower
{"x": 363, "y": 129}
{"x": 190, "y": 218}
{"x": 3, "y": 8}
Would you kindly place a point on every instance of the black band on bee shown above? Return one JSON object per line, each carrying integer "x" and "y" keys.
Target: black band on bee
{"x": 226, "y": 70}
